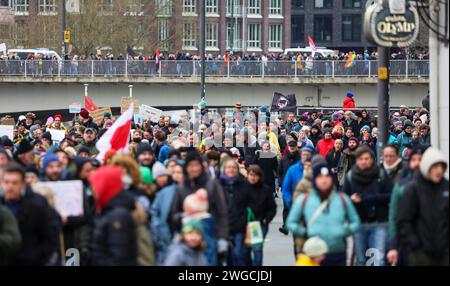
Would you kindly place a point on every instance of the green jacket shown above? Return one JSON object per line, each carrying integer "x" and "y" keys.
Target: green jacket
{"x": 10, "y": 240}
{"x": 91, "y": 146}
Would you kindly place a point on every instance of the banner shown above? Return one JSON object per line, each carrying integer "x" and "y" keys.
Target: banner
{"x": 7, "y": 121}
{"x": 7, "y": 130}
{"x": 175, "y": 114}
{"x": 3, "y": 48}
{"x": 125, "y": 103}
{"x": 97, "y": 115}
{"x": 149, "y": 112}
{"x": 75, "y": 108}
{"x": 282, "y": 102}
{"x": 57, "y": 135}
{"x": 68, "y": 196}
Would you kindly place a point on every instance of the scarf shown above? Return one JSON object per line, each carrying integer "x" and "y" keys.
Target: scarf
{"x": 392, "y": 167}
{"x": 366, "y": 176}
{"x": 228, "y": 180}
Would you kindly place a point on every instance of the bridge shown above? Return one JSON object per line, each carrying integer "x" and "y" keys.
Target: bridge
{"x": 52, "y": 85}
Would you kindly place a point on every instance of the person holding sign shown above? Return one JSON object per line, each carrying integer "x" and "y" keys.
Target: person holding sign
{"x": 57, "y": 124}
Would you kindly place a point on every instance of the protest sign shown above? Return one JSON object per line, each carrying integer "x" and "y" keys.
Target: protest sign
{"x": 7, "y": 121}
{"x": 68, "y": 196}
{"x": 149, "y": 112}
{"x": 7, "y": 130}
{"x": 97, "y": 115}
{"x": 175, "y": 114}
{"x": 125, "y": 103}
{"x": 75, "y": 108}
{"x": 3, "y": 48}
{"x": 138, "y": 119}
{"x": 57, "y": 135}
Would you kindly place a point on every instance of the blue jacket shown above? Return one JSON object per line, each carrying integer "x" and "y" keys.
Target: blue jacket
{"x": 330, "y": 225}
{"x": 159, "y": 225}
{"x": 163, "y": 153}
{"x": 293, "y": 176}
{"x": 403, "y": 140}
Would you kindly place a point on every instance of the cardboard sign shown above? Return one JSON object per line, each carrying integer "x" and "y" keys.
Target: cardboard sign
{"x": 150, "y": 112}
{"x": 68, "y": 196}
{"x": 57, "y": 135}
{"x": 97, "y": 115}
{"x": 138, "y": 119}
{"x": 75, "y": 108}
{"x": 7, "y": 130}
{"x": 125, "y": 103}
{"x": 7, "y": 121}
{"x": 175, "y": 114}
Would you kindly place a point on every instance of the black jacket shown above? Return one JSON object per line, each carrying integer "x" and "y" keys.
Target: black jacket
{"x": 114, "y": 239}
{"x": 354, "y": 125}
{"x": 238, "y": 199}
{"x": 269, "y": 164}
{"x": 262, "y": 202}
{"x": 289, "y": 160}
{"x": 35, "y": 221}
{"x": 423, "y": 216}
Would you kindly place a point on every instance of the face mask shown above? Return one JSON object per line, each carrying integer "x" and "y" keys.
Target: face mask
{"x": 127, "y": 182}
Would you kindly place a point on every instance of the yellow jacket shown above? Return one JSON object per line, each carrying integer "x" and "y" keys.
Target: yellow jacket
{"x": 303, "y": 260}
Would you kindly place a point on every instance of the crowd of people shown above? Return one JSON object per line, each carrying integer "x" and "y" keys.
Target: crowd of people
{"x": 169, "y": 201}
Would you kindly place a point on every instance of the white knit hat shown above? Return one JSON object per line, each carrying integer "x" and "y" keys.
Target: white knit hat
{"x": 314, "y": 247}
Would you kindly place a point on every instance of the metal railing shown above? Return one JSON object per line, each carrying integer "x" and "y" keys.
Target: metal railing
{"x": 168, "y": 68}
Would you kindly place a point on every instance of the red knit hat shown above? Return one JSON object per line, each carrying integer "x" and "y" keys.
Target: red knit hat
{"x": 57, "y": 116}
{"x": 106, "y": 183}
{"x": 84, "y": 113}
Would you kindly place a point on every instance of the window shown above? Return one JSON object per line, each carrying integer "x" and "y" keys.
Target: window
{"x": 348, "y": 4}
{"x": 163, "y": 34}
{"x": 135, "y": 7}
{"x": 5, "y": 3}
{"x": 211, "y": 7}
{"x": 254, "y": 7}
{"x": 211, "y": 35}
{"x": 234, "y": 35}
{"x": 49, "y": 30}
{"x": 164, "y": 7}
{"x": 298, "y": 4}
{"x": 297, "y": 30}
{"x": 254, "y": 36}
{"x": 47, "y": 6}
{"x": 189, "y": 33}
{"x": 20, "y": 35}
{"x": 323, "y": 3}
{"x": 189, "y": 7}
{"x": 106, "y": 6}
{"x": 236, "y": 4}
{"x": 21, "y": 6}
{"x": 275, "y": 36}
{"x": 275, "y": 7}
{"x": 323, "y": 28}
{"x": 351, "y": 28}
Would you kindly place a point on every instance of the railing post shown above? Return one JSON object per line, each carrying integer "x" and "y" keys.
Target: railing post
{"x": 126, "y": 68}
{"x": 262, "y": 69}
{"x": 332, "y": 68}
{"x": 228, "y": 69}
{"x": 159, "y": 68}
{"x": 295, "y": 68}
{"x": 25, "y": 73}
{"x": 407, "y": 68}
{"x": 92, "y": 68}
{"x": 370, "y": 69}
{"x": 194, "y": 72}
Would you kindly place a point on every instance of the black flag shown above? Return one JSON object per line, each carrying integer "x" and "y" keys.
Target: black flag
{"x": 282, "y": 102}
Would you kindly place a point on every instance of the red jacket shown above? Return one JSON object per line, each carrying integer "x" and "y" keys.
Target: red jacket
{"x": 349, "y": 103}
{"x": 324, "y": 146}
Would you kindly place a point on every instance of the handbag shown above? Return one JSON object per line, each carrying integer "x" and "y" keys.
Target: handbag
{"x": 253, "y": 235}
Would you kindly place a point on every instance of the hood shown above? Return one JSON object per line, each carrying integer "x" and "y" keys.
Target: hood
{"x": 431, "y": 157}
{"x": 106, "y": 183}
{"x": 348, "y": 99}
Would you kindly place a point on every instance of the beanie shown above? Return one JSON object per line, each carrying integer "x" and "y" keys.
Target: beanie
{"x": 106, "y": 182}
{"x": 24, "y": 147}
{"x": 192, "y": 225}
{"x": 49, "y": 158}
{"x": 57, "y": 116}
{"x": 47, "y": 135}
{"x": 196, "y": 203}
{"x": 314, "y": 247}
{"x": 407, "y": 123}
{"x": 143, "y": 147}
{"x": 350, "y": 94}
{"x": 366, "y": 127}
{"x": 84, "y": 113}
{"x": 159, "y": 170}
{"x": 320, "y": 168}
{"x": 146, "y": 175}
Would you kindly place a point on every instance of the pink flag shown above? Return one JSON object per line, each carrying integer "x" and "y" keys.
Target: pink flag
{"x": 311, "y": 43}
{"x": 117, "y": 136}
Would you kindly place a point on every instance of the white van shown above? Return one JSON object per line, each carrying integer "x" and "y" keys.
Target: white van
{"x": 23, "y": 53}
{"x": 324, "y": 52}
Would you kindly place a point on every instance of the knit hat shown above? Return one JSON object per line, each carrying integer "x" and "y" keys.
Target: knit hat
{"x": 24, "y": 147}
{"x": 294, "y": 135}
{"x": 431, "y": 157}
{"x": 146, "y": 175}
{"x": 83, "y": 149}
{"x": 350, "y": 94}
{"x": 308, "y": 149}
{"x": 192, "y": 225}
{"x": 49, "y": 158}
{"x": 106, "y": 182}
{"x": 196, "y": 203}
{"x": 354, "y": 139}
{"x": 396, "y": 115}
{"x": 263, "y": 108}
{"x": 84, "y": 113}
{"x": 107, "y": 114}
{"x": 297, "y": 128}
{"x": 143, "y": 147}
{"x": 407, "y": 123}
{"x": 397, "y": 123}
{"x": 47, "y": 135}
{"x": 292, "y": 143}
{"x": 315, "y": 247}
{"x": 202, "y": 104}
{"x": 320, "y": 168}
{"x": 57, "y": 116}
{"x": 366, "y": 127}
{"x": 6, "y": 142}
{"x": 159, "y": 170}
{"x": 33, "y": 128}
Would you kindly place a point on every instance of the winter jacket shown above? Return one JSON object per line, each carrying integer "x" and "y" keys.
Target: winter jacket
{"x": 293, "y": 176}
{"x": 423, "y": 216}
{"x": 289, "y": 160}
{"x": 180, "y": 254}
{"x": 331, "y": 223}
{"x": 34, "y": 217}
{"x": 324, "y": 146}
{"x": 315, "y": 138}
{"x": 303, "y": 260}
{"x": 160, "y": 228}
{"x": 261, "y": 202}
{"x": 216, "y": 199}
{"x": 163, "y": 153}
{"x": 269, "y": 164}
{"x": 352, "y": 124}
{"x": 374, "y": 188}
{"x": 349, "y": 103}
{"x": 238, "y": 200}
{"x": 90, "y": 145}
{"x": 404, "y": 139}
{"x": 394, "y": 172}
{"x": 345, "y": 164}
{"x": 304, "y": 185}
{"x": 114, "y": 239}
{"x": 248, "y": 151}
{"x": 10, "y": 239}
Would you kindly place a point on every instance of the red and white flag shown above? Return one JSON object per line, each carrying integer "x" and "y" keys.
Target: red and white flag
{"x": 157, "y": 56}
{"x": 89, "y": 104}
{"x": 311, "y": 44}
{"x": 117, "y": 136}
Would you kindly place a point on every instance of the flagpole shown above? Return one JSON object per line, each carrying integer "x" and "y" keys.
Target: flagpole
{"x": 131, "y": 90}
{"x": 86, "y": 89}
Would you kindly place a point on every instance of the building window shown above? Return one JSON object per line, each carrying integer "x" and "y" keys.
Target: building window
{"x": 297, "y": 29}
{"x": 135, "y": 8}
{"x": 254, "y": 36}
{"x": 164, "y": 7}
{"x": 323, "y": 28}
{"x": 254, "y": 7}
{"x": 237, "y": 10}
{"x": 21, "y": 6}
{"x": 275, "y": 7}
{"x": 349, "y": 4}
{"x": 298, "y": 4}
{"x": 211, "y": 35}
{"x": 106, "y": 6}
{"x": 351, "y": 28}
{"x": 275, "y": 36}
{"x": 323, "y": 4}
{"x": 211, "y": 7}
{"x": 189, "y": 7}
{"x": 189, "y": 36}
{"x": 20, "y": 35}
{"x": 163, "y": 34}
{"x": 234, "y": 35}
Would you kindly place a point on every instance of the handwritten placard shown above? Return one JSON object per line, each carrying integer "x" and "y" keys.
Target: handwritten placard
{"x": 97, "y": 115}
{"x": 125, "y": 103}
{"x": 68, "y": 196}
